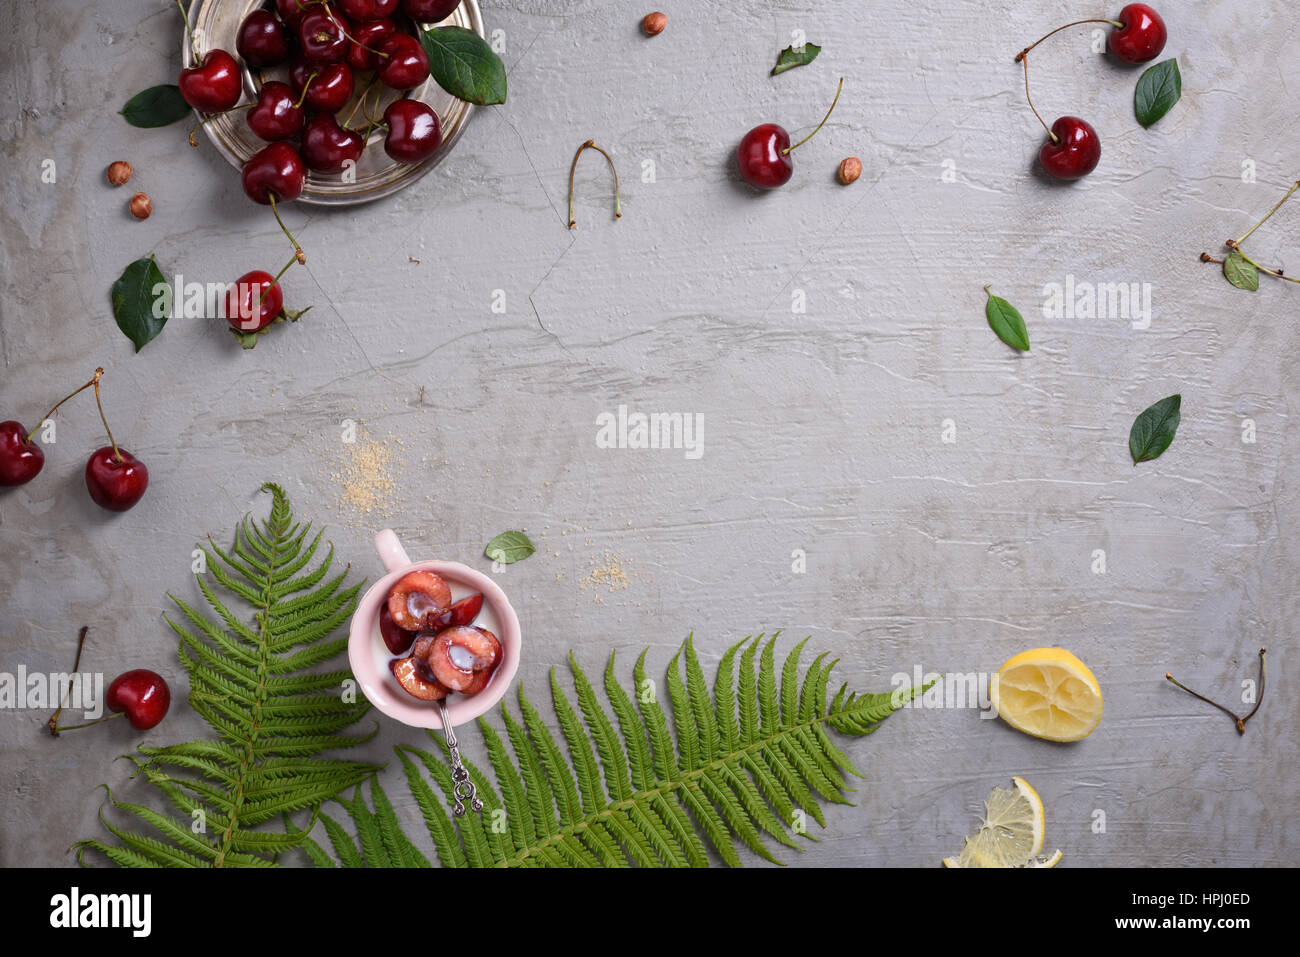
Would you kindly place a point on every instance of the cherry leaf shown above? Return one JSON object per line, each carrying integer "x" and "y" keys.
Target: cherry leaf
{"x": 137, "y": 302}
{"x": 1007, "y": 322}
{"x": 509, "y": 547}
{"x": 1241, "y": 273}
{"x": 156, "y": 106}
{"x": 1159, "y": 88}
{"x": 1154, "y": 429}
{"x": 463, "y": 64}
{"x": 793, "y": 56}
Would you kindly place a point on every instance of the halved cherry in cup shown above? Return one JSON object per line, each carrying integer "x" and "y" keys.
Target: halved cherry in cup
{"x": 417, "y": 596}
{"x": 460, "y": 654}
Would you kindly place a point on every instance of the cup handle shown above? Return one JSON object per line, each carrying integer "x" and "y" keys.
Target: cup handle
{"x": 390, "y": 550}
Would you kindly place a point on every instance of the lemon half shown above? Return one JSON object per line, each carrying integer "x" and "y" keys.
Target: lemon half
{"x": 1049, "y": 693}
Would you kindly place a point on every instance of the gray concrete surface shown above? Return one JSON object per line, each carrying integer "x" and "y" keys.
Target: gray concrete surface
{"x": 823, "y": 429}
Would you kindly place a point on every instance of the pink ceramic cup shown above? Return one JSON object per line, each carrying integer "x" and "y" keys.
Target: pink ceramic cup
{"x": 368, "y": 655}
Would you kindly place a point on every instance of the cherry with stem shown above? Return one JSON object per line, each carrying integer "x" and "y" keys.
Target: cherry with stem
{"x": 93, "y": 382}
{"x": 618, "y": 202}
{"x": 1240, "y": 720}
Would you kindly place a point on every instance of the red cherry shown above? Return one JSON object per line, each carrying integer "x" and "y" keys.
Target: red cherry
{"x": 462, "y": 612}
{"x": 20, "y": 459}
{"x": 291, "y": 11}
{"x": 330, "y": 87}
{"x": 366, "y": 38}
{"x": 262, "y": 40}
{"x": 214, "y": 85}
{"x": 417, "y": 595}
{"x": 367, "y": 9}
{"x": 414, "y": 131}
{"x": 276, "y": 169}
{"x": 142, "y": 694}
{"x": 1075, "y": 152}
{"x": 327, "y": 147}
{"x": 429, "y": 11}
{"x": 254, "y": 301}
{"x": 115, "y": 483}
{"x": 396, "y": 639}
{"x": 403, "y": 64}
{"x": 1142, "y": 36}
{"x": 322, "y": 35}
{"x": 276, "y": 116}
{"x": 762, "y": 163}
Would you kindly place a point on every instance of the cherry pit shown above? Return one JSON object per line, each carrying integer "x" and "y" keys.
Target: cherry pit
{"x": 439, "y": 649}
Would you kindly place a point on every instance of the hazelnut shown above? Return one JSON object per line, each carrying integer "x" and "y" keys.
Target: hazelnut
{"x": 652, "y": 24}
{"x": 119, "y": 172}
{"x": 850, "y": 169}
{"x": 140, "y": 206}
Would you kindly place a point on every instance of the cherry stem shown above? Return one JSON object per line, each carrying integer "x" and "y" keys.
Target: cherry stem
{"x": 117, "y": 454}
{"x": 1243, "y": 236}
{"x": 618, "y": 202}
{"x": 89, "y": 724}
{"x": 364, "y": 94}
{"x": 194, "y": 41}
{"x": 1239, "y": 719}
{"x": 1021, "y": 55}
{"x": 212, "y": 116}
{"x": 819, "y": 125}
{"x": 298, "y": 254}
{"x": 95, "y": 379}
{"x": 267, "y": 291}
{"x": 53, "y": 723}
{"x": 1232, "y": 244}
{"x": 1055, "y": 138}
{"x": 305, "y": 87}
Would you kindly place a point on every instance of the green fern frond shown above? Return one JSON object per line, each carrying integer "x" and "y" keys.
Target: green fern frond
{"x": 750, "y": 760}
{"x": 248, "y": 679}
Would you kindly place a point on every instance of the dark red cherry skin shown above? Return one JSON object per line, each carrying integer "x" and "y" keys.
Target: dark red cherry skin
{"x": 1076, "y": 151}
{"x": 213, "y": 86}
{"x": 762, "y": 164}
{"x": 274, "y": 169}
{"x": 1142, "y": 37}
{"x": 396, "y": 639}
{"x": 115, "y": 484}
{"x": 330, "y": 87}
{"x": 142, "y": 694}
{"x": 460, "y": 613}
{"x": 322, "y": 36}
{"x": 366, "y": 37}
{"x": 403, "y": 64}
{"x": 429, "y": 11}
{"x": 262, "y": 40}
{"x": 276, "y": 115}
{"x": 20, "y": 460}
{"x": 367, "y": 9}
{"x": 327, "y": 147}
{"x": 254, "y": 301}
{"x": 291, "y": 11}
{"x": 414, "y": 131}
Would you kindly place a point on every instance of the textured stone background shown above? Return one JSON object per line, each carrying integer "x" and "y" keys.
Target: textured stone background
{"x": 822, "y": 429}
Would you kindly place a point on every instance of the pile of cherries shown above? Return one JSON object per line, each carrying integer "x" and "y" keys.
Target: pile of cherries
{"x": 447, "y": 652}
{"x": 323, "y": 43}
{"x": 115, "y": 478}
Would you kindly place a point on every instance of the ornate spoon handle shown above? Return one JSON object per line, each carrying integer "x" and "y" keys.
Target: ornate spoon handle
{"x": 464, "y": 789}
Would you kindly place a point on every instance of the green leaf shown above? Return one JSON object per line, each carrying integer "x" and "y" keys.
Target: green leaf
{"x": 1154, "y": 429}
{"x": 579, "y": 806}
{"x": 792, "y": 57}
{"x": 463, "y": 64}
{"x": 272, "y": 721}
{"x": 134, "y": 297}
{"x": 1006, "y": 321}
{"x": 1241, "y": 272}
{"x": 156, "y": 106}
{"x": 509, "y": 547}
{"x": 1158, "y": 90}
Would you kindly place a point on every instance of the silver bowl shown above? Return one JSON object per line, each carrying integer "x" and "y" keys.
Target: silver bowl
{"x": 216, "y": 24}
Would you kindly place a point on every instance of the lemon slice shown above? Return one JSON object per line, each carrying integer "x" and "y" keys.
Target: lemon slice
{"x": 1011, "y": 834}
{"x": 1049, "y": 693}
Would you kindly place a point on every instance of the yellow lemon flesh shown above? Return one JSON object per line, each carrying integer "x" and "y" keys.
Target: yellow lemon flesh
{"x": 1011, "y": 834}
{"x": 1049, "y": 693}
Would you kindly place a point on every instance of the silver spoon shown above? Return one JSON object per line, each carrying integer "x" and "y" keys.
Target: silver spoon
{"x": 464, "y": 789}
